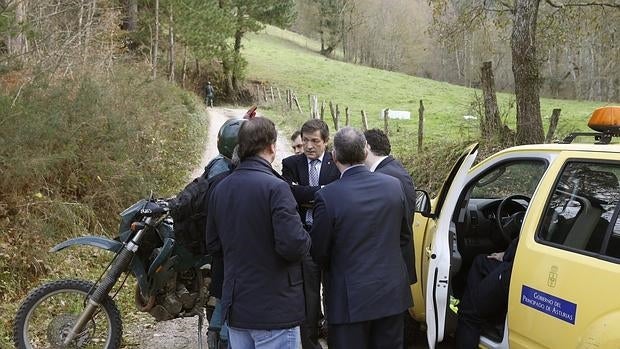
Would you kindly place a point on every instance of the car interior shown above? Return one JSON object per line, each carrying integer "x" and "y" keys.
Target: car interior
{"x": 491, "y": 209}
{"x": 487, "y": 218}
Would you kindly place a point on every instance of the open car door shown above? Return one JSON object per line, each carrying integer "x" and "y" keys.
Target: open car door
{"x": 440, "y": 252}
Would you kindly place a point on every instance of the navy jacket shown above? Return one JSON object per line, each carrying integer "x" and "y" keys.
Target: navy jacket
{"x": 295, "y": 170}
{"x": 360, "y": 224}
{"x": 253, "y": 220}
{"x": 394, "y": 168}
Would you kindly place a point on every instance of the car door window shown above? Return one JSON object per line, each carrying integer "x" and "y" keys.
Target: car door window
{"x": 582, "y": 212}
{"x": 516, "y": 177}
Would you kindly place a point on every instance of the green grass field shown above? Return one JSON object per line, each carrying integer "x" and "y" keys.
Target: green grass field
{"x": 288, "y": 60}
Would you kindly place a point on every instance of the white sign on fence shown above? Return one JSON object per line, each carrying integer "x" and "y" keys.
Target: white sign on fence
{"x": 396, "y": 114}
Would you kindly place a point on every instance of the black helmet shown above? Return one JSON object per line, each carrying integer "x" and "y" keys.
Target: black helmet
{"x": 227, "y": 137}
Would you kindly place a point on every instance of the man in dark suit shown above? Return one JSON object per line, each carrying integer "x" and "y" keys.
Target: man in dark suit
{"x": 360, "y": 227}
{"x": 486, "y": 294}
{"x": 253, "y": 221}
{"x": 380, "y": 160}
{"x": 306, "y": 173}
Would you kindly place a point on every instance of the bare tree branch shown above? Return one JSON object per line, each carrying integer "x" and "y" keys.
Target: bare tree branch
{"x": 582, "y": 4}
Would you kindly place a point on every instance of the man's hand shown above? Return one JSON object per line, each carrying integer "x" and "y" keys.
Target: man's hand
{"x": 497, "y": 255}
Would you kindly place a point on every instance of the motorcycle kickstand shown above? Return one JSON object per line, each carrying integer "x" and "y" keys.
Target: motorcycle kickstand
{"x": 201, "y": 319}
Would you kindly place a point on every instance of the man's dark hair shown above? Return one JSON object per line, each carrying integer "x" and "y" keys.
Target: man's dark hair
{"x": 350, "y": 146}
{"x": 255, "y": 135}
{"x": 295, "y": 135}
{"x": 315, "y": 125}
{"x": 378, "y": 141}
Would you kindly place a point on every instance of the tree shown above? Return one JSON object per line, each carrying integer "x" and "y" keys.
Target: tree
{"x": 15, "y": 38}
{"x": 522, "y": 15}
{"x": 250, "y": 16}
{"x": 334, "y": 24}
{"x": 130, "y": 20}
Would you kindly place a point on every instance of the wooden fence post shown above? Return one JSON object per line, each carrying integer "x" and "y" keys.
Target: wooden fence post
{"x": 553, "y": 124}
{"x": 297, "y": 103}
{"x": 279, "y": 95}
{"x": 265, "y": 93}
{"x": 310, "y": 106}
{"x": 315, "y": 106}
{"x": 386, "y": 116}
{"x": 289, "y": 101}
{"x": 364, "y": 121}
{"x": 346, "y": 116}
{"x": 322, "y": 110}
{"x": 257, "y": 93}
{"x": 334, "y": 116}
{"x": 420, "y": 125}
{"x": 337, "y": 117}
{"x": 273, "y": 97}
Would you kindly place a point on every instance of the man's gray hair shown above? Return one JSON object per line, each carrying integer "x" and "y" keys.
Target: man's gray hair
{"x": 350, "y": 146}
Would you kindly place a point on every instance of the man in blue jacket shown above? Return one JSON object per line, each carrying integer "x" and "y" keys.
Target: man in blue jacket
{"x": 253, "y": 221}
{"x": 360, "y": 226}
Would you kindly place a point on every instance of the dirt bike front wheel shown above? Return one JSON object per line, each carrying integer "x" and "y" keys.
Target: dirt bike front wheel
{"x": 49, "y": 312}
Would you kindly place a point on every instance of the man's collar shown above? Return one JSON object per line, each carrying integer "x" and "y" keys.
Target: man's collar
{"x": 352, "y": 167}
{"x": 374, "y": 166}
{"x": 320, "y": 158}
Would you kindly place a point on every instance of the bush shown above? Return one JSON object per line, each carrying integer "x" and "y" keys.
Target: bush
{"x": 73, "y": 154}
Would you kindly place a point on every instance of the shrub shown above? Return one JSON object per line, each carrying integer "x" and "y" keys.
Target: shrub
{"x": 76, "y": 152}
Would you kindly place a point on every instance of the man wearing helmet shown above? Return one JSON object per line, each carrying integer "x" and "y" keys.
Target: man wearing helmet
{"x": 217, "y": 169}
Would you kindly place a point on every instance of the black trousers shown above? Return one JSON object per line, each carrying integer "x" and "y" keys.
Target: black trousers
{"x": 383, "y": 333}
{"x": 485, "y": 298}
{"x": 312, "y": 286}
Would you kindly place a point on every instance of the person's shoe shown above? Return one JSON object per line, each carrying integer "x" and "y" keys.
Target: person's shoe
{"x": 213, "y": 340}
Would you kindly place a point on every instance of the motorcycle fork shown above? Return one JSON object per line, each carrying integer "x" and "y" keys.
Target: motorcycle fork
{"x": 96, "y": 298}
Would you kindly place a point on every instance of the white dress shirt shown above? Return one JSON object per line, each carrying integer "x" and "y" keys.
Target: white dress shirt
{"x": 374, "y": 166}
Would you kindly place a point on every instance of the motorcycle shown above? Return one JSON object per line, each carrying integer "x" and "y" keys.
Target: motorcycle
{"x": 172, "y": 282}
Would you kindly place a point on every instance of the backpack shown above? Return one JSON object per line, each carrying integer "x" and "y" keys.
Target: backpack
{"x": 189, "y": 208}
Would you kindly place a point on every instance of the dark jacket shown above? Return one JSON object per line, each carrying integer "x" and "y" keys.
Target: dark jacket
{"x": 394, "y": 168}
{"x": 253, "y": 220}
{"x": 295, "y": 170}
{"x": 360, "y": 224}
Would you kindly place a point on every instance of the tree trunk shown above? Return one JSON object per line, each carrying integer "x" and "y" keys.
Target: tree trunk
{"x": 236, "y": 65}
{"x": 156, "y": 40}
{"x": 170, "y": 47}
{"x": 18, "y": 44}
{"x": 130, "y": 20}
{"x": 525, "y": 69}
{"x": 490, "y": 125}
{"x": 553, "y": 124}
{"x": 184, "y": 69}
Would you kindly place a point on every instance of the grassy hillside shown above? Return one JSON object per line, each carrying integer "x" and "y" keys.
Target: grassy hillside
{"x": 286, "y": 59}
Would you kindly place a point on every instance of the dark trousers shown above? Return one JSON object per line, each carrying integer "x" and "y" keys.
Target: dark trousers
{"x": 485, "y": 298}
{"x": 312, "y": 286}
{"x": 383, "y": 333}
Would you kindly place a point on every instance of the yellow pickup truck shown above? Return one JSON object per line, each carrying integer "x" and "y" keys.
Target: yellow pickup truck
{"x": 563, "y": 202}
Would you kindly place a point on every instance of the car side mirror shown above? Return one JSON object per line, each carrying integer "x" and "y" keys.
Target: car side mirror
{"x": 422, "y": 203}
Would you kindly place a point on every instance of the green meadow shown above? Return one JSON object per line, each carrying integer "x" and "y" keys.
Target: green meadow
{"x": 287, "y": 60}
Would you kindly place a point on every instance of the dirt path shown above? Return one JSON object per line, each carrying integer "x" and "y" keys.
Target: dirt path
{"x": 217, "y": 117}
{"x": 144, "y": 332}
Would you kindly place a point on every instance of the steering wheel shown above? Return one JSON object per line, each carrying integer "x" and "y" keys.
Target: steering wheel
{"x": 510, "y": 225}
